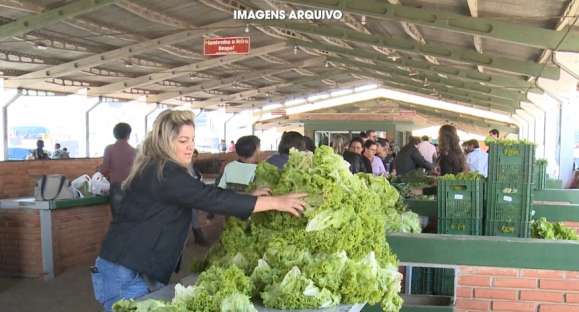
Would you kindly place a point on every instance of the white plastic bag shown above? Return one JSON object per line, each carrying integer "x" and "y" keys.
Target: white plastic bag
{"x": 81, "y": 186}
{"x": 99, "y": 184}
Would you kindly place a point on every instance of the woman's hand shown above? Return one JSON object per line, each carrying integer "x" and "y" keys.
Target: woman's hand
{"x": 262, "y": 191}
{"x": 291, "y": 203}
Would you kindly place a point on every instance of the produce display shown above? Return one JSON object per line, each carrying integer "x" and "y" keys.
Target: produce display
{"x": 410, "y": 185}
{"x": 544, "y": 229}
{"x": 408, "y": 190}
{"x": 336, "y": 254}
{"x": 470, "y": 175}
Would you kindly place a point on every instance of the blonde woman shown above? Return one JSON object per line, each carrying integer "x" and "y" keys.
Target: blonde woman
{"x": 144, "y": 243}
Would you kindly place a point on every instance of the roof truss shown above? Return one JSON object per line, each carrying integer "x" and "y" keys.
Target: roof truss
{"x": 421, "y": 66}
{"x": 37, "y": 21}
{"x": 215, "y": 84}
{"x": 469, "y": 86}
{"x": 106, "y": 57}
{"x": 515, "y": 33}
{"x": 182, "y": 70}
{"x": 528, "y": 68}
{"x": 247, "y": 94}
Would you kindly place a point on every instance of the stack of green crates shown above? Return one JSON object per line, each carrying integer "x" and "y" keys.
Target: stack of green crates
{"x": 460, "y": 206}
{"x": 509, "y": 189}
{"x": 540, "y": 175}
{"x": 459, "y": 211}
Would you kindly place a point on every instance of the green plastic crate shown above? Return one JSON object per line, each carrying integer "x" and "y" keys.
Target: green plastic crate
{"x": 539, "y": 176}
{"x": 460, "y": 226}
{"x": 422, "y": 281}
{"x": 460, "y": 206}
{"x": 508, "y": 228}
{"x": 507, "y": 210}
{"x": 433, "y": 281}
{"x": 554, "y": 184}
{"x": 511, "y": 163}
{"x": 508, "y": 201}
{"x": 443, "y": 282}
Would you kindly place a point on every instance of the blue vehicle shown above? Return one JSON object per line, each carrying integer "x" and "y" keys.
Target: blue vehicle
{"x": 18, "y": 153}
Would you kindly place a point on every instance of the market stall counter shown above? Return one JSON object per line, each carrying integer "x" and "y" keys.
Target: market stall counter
{"x": 43, "y": 238}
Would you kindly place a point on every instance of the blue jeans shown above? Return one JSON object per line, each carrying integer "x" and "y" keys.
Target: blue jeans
{"x": 112, "y": 282}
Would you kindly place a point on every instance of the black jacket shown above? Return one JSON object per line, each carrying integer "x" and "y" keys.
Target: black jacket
{"x": 408, "y": 159}
{"x": 357, "y": 162}
{"x": 152, "y": 225}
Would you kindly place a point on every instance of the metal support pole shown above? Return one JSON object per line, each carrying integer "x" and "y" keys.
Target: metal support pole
{"x": 87, "y": 125}
{"x": 559, "y": 128}
{"x": 5, "y": 122}
{"x": 225, "y": 127}
{"x": 147, "y": 117}
{"x": 46, "y": 243}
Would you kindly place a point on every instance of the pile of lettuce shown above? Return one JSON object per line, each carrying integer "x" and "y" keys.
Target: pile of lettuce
{"x": 469, "y": 175}
{"x": 544, "y": 229}
{"x": 336, "y": 254}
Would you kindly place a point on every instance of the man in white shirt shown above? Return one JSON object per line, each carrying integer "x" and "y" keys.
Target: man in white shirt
{"x": 427, "y": 150}
{"x": 476, "y": 159}
{"x": 239, "y": 173}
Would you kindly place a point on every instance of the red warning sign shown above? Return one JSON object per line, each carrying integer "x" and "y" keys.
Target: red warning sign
{"x": 226, "y": 46}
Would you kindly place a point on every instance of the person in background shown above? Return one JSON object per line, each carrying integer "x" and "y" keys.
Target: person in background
{"x": 196, "y": 172}
{"x": 65, "y": 154}
{"x": 239, "y": 173}
{"x": 409, "y": 158}
{"x": 494, "y": 133}
{"x": 363, "y": 136}
{"x": 476, "y": 159}
{"x": 223, "y": 146}
{"x": 354, "y": 156}
{"x": 465, "y": 148}
{"x": 309, "y": 144}
{"x": 231, "y": 148}
{"x": 57, "y": 154}
{"x": 143, "y": 246}
{"x": 290, "y": 139}
{"x": 372, "y": 135}
{"x": 117, "y": 161}
{"x": 427, "y": 149}
{"x": 385, "y": 153}
{"x": 370, "y": 150}
{"x": 39, "y": 153}
{"x": 451, "y": 159}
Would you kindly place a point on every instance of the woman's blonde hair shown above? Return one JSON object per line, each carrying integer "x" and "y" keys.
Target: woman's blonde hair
{"x": 159, "y": 145}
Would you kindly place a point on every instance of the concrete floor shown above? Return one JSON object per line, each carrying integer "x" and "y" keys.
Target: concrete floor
{"x": 72, "y": 290}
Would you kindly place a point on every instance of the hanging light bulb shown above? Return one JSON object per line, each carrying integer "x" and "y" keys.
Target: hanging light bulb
{"x": 295, "y": 50}
{"x": 247, "y": 28}
{"x": 363, "y": 21}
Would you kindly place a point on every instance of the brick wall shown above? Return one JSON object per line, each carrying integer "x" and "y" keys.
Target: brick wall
{"x": 20, "y": 245}
{"x": 573, "y": 225}
{"x": 507, "y": 289}
{"x": 77, "y": 235}
{"x": 17, "y": 178}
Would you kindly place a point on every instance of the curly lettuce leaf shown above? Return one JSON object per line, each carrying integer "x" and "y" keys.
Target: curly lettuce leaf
{"x": 237, "y": 303}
